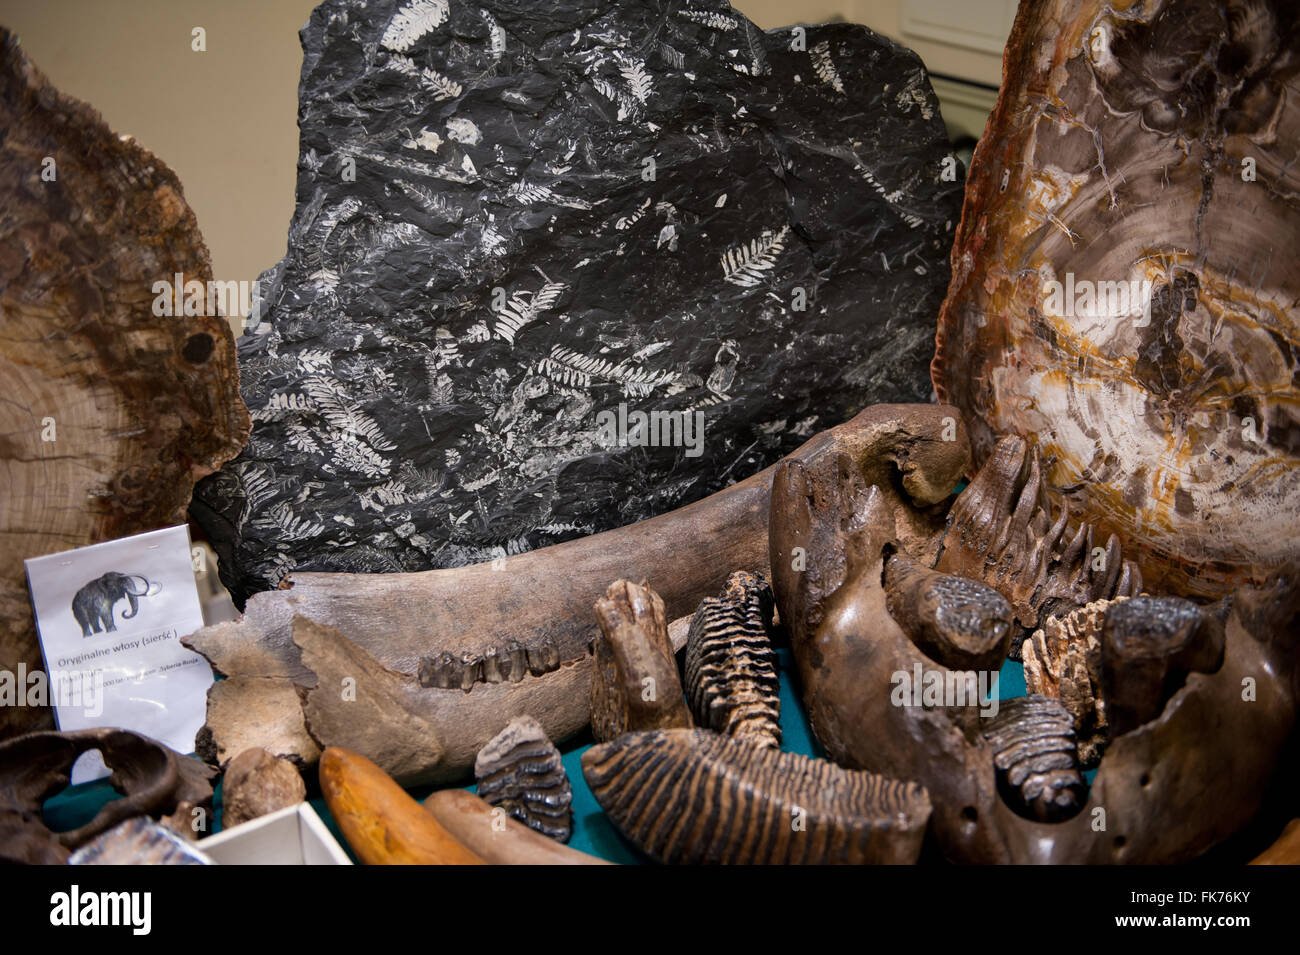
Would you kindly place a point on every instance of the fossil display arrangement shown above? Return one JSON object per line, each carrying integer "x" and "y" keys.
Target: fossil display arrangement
{"x": 517, "y": 220}
{"x": 522, "y": 226}
{"x": 90, "y": 222}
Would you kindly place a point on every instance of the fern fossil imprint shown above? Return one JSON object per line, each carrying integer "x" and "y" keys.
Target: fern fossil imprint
{"x": 509, "y": 225}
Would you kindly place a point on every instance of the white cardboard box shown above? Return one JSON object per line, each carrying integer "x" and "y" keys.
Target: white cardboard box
{"x": 294, "y": 835}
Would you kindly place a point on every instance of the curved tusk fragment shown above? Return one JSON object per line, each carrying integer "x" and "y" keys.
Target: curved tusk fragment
{"x": 382, "y": 824}
{"x": 495, "y": 837}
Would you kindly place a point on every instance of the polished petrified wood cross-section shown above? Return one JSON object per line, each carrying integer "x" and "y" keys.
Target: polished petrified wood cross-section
{"x": 1124, "y": 284}
{"x": 111, "y": 412}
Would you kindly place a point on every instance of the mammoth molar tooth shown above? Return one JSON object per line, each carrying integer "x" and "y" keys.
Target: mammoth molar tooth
{"x": 694, "y": 796}
{"x": 634, "y": 679}
{"x": 1000, "y": 531}
{"x": 520, "y": 771}
{"x": 1148, "y": 646}
{"x": 731, "y": 668}
{"x": 504, "y": 664}
{"x": 1063, "y": 660}
{"x": 1036, "y": 759}
{"x": 959, "y": 622}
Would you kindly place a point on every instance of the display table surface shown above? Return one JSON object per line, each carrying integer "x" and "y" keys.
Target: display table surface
{"x": 592, "y": 831}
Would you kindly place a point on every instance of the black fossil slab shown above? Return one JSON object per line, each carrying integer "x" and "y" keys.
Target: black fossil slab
{"x": 515, "y": 219}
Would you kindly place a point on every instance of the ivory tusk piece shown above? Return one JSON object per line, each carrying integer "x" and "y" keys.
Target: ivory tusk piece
{"x": 495, "y": 837}
{"x": 383, "y": 825}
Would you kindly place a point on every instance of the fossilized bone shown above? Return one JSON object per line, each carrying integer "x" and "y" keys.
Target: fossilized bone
{"x": 634, "y": 681}
{"x": 695, "y": 796}
{"x": 498, "y": 839}
{"x": 382, "y": 824}
{"x": 256, "y": 784}
{"x": 152, "y": 778}
{"x": 850, "y": 651}
{"x": 390, "y": 626}
{"x": 1000, "y": 530}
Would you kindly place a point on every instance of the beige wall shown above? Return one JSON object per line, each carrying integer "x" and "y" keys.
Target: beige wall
{"x": 226, "y": 119}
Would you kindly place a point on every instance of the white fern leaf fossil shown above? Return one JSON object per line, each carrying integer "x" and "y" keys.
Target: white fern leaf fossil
{"x": 626, "y": 222}
{"x": 746, "y": 264}
{"x": 313, "y": 360}
{"x": 524, "y": 307}
{"x": 670, "y": 55}
{"x": 573, "y": 369}
{"x": 300, "y": 439}
{"x": 283, "y": 404}
{"x": 350, "y": 452}
{"x": 441, "y": 86}
{"x": 343, "y": 415}
{"x": 280, "y": 517}
{"x": 496, "y": 35}
{"x": 412, "y": 22}
{"x": 634, "y": 74}
{"x": 710, "y": 19}
{"x": 824, "y": 67}
{"x": 434, "y": 203}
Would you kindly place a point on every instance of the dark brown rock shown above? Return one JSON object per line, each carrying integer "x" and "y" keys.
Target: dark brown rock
{"x": 257, "y": 783}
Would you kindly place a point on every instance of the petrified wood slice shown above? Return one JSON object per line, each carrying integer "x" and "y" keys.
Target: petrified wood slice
{"x": 1001, "y": 531}
{"x": 1148, "y": 646}
{"x": 694, "y": 797}
{"x": 497, "y": 840}
{"x": 634, "y": 681}
{"x": 1063, "y": 661}
{"x": 1036, "y": 759}
{"x": 543, "y": 598}
{"x": 731, "y": 668}
{"x": 1142, "y": 144}
{"x": 152, "y": 778}
{"x": 504, "y": 268}
{"x": 520, "y": 771}
{"x": 111, "y": 413}
{"x": 956, "y": 621}
{"x": 382, "y": 824}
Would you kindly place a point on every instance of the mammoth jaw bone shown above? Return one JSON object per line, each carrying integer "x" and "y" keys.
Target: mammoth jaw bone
{"x": 850, "y": 649}
{"x": 449, "y": 643}
{"x": 1001, "y": 531}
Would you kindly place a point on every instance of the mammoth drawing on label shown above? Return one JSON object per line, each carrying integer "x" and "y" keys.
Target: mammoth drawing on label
{"x": 93, "y": 604}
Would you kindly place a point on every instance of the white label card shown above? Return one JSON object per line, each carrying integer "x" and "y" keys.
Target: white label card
{"x": 110, "y": 618}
